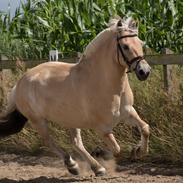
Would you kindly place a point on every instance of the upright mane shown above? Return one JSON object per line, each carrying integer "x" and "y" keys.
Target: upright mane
{"x": 93, "y": 45}
{"x": 127, "y": 24}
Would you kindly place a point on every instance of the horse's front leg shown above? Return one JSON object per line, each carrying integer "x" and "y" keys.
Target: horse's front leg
{"x": 78, "y": 144}
{"x": 110, "y": 141}
{"x": 131, "y": 117}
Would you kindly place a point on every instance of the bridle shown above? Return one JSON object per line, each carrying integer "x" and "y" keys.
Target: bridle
{"x": 133, "y": 60}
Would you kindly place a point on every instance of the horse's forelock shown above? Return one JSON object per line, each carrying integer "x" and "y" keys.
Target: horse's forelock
{"x": 131, "y": 24}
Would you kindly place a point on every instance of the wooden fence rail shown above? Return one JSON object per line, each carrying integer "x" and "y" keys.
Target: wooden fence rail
{"x": 11, "y": 64}
{"x": 166, "y": 59}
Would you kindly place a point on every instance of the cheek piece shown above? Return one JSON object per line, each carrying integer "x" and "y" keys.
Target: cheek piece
{"x": 133, "y": 60}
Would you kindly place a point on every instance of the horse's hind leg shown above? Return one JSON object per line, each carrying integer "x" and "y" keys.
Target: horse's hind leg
{"x": 131, "y": 117}
{"x": 42, "y": 128}
{"x": 78, "y": 144}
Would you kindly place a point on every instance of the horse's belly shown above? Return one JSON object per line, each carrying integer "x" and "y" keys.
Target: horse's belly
{"x": 70, "y": 118}
{"x": 72, "y": 122}
{"x": 77, "y": 118}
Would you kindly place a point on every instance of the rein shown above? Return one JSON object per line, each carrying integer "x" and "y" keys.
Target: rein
{"x": 128, "y": 62}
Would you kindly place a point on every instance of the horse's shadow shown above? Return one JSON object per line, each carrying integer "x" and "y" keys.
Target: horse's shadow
{"x": 46, "y": 180}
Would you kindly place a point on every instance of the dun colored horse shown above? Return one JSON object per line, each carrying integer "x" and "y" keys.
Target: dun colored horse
{"x": 93, "y": 94}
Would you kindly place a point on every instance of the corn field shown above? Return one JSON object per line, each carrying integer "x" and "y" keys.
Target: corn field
{"x": 69, "y": 25}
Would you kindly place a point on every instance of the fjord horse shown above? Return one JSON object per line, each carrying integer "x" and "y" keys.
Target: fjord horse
{"x": 93, "y": 94}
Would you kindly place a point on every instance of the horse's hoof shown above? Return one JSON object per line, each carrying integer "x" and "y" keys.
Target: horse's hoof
{"x": 71, "y": 165}
{"x": 74, "y": 169}
{"x": 100, "y": 172}
{"x": 137, "y": 153}
{"x": 101, "y": 153}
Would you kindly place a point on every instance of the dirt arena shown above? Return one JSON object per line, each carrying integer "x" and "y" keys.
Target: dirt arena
{"x": 45, "y": 169}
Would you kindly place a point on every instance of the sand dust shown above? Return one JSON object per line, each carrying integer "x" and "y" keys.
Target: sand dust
{"x": 45, "y": 169}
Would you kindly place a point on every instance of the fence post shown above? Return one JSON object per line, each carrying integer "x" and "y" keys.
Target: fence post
{"x": 167, "y": 72}
{"x": 53, "y": 55}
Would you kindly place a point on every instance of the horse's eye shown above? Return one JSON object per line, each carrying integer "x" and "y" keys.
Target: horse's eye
{"x": 125, "y": 47}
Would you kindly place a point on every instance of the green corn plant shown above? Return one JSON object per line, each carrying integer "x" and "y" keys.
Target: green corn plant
{"x": 69, "y": 25}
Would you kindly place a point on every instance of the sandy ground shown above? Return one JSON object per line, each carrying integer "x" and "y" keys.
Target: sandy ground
{"x": 45, "y": 169}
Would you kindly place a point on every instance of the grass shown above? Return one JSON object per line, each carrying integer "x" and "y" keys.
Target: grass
{"x": 163, "y": 113}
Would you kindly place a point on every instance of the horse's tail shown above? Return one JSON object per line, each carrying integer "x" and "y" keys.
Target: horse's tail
{"x": 12, "y": 121}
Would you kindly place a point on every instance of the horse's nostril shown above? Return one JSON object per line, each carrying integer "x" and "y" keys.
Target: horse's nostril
{"x": 141, "y": 72}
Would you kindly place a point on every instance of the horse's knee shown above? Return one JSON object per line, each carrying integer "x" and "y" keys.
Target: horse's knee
{"x": 76, "y": 138}
{"x": 116, "y": 153}
{"x": 77, "y": 143}
{"x": 116, "y": 150}
{"x": 128, "y": 114}
{"x": 146, "y": 131}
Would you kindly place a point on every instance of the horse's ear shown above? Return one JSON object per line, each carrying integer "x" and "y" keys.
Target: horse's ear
{"x": 119, "y": 24}
{"x": 133, "y": 24}
{"x": 114, "y": 20}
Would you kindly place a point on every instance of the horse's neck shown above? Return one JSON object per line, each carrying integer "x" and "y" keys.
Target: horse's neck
{"x": 101, "y": 70}
{"x": 98, "y": 63}
{"x": 99, "y": 50}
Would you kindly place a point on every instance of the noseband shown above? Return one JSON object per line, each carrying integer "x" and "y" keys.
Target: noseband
{"x": 128, "y": 62}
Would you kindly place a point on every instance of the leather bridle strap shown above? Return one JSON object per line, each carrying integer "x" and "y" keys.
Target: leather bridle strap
{"x": 130, "y": 35}
{"x": 129, "y": 63}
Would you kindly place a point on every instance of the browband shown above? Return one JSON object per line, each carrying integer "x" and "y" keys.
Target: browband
{"x": 121, "y": 37}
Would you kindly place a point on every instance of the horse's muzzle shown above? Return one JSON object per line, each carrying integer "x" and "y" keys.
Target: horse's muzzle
{"x": 142, "y": 71}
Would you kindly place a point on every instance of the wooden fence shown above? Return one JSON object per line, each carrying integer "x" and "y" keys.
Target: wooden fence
{"x": 167, "y": 59}
{"x": 170, "y": 59}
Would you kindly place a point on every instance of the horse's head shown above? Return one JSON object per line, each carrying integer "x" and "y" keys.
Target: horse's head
{"x": 129, "y": 48}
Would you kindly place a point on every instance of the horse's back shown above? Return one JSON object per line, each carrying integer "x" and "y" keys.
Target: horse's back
{"x": 42, "y": 83}
{"x": 45, "y": 72}
{"x": 48, "y": 70}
